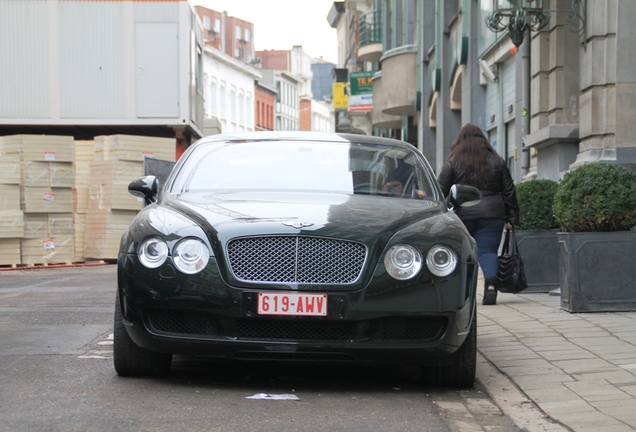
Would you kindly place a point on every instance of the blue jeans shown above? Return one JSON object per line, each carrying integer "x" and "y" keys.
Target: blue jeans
{"x": 487, "y": 233}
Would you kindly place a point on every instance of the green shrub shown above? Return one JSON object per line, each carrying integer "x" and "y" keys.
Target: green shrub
{"x": 535, "y": 204}
{"x": 596, "y": 197}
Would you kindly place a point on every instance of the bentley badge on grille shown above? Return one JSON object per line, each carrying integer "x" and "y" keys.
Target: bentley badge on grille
{"x": 297, "y": 225}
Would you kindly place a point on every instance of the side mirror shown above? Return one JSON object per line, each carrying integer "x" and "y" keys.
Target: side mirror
{"x": 145, "y": 187}
{"x": 463, "y": 196}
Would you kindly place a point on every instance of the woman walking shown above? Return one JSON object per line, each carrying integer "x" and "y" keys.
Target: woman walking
{"x": 473, "y": 161}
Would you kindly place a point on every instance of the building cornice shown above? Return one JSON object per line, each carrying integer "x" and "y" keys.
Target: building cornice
{"x": 236, "y": 64}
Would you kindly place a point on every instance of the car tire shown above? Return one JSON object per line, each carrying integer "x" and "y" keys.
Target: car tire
{"x": 461, "y": 373}
{"x": 129, "y": 359}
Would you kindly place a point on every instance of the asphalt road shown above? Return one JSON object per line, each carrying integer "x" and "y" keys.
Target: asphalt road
{"x": 56, "y": 374}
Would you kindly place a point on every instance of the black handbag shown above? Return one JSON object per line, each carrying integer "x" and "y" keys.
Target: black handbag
{"x": 510, "y": 275}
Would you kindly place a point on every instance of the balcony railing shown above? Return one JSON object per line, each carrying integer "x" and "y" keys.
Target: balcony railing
{"x": 370, "y": 27}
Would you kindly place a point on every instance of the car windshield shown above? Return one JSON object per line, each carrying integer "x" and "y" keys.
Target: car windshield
{"x": 339, "y": 167}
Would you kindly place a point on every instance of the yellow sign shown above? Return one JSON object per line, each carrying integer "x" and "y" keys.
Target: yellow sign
{"x": 340, "y": 95}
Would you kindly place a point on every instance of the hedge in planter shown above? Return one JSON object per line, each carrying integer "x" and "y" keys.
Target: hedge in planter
{"x": 537, "y": 234}
{"x": 535, "y": 199}
{"x": 597, "y": 197}
{"x": 596, "y": 207}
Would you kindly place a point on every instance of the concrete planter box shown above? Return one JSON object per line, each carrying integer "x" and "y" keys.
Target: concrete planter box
{"x": 597, "y": 271}
{"x": 540, "y": 252}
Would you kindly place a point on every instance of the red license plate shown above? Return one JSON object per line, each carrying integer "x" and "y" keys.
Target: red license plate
{"x": 292, "y": 304}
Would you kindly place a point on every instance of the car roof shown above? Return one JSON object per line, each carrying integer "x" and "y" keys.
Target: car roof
{"x": 304, "y": 136}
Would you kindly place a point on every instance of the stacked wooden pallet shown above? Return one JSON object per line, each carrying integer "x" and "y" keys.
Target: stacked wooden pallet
{"x": 84, "y": 156}
{"x": 46, "y": 200}
{"x": 11, "y": 217}
{"x": 111, "y": 208}
{"x": 64, "y": 201}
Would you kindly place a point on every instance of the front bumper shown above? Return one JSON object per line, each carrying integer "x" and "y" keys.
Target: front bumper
{"x": 422, "y": 321}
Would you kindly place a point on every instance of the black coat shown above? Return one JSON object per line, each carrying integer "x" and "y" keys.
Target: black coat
{"x": 498, "y": 196}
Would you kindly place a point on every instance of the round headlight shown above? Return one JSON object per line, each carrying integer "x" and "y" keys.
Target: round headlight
{"x": 152, "y": 252}
{"x": 190, "y": 256}
{"x": 441, "y": 260}
{"x": 403, "y": 262}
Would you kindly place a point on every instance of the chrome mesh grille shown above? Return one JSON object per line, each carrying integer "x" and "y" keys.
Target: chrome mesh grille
{"x": 289, "y": 259}
{"x": 179, "y": 323}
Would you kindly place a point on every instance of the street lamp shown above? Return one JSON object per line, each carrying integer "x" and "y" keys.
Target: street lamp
{"x": 521, "y": 16}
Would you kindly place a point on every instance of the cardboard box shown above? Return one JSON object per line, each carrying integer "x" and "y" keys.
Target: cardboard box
{"x": 10, "y": 251}
{"x": 80, "y": 200}
{"x": 84, "y": 151}
{"x": 9, "y": 197}
{"x": 11, "y": 224}
{"x": 60, "y": 224}
{"x": 54, "y": 250}
{"x": 9, "y": 147}
{"x": 10, "y": 170}
{"x": 79, "y": 234}
{"x": 35, "y": 173}
{"x": 134, "y": 148}
{"x": 46, "y": 200}
{"x": 36, "y": 225}
{"x": 42, "y": 148}
{"x": 104, "y": 228}
{"x": 109, "y": 185}
{"x": 61, "y": 174}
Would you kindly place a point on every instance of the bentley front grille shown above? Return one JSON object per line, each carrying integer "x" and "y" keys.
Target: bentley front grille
{"x": 295, "y": 259}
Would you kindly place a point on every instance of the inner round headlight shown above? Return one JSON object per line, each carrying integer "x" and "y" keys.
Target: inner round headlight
{"x": 403, "y": 262}
{"x": 190, "y": 256}
{"x": 441, "y": 260}
{"x": 152, "y": 252}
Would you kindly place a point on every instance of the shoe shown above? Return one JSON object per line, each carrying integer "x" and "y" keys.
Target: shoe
{"x": 490, "y": 296}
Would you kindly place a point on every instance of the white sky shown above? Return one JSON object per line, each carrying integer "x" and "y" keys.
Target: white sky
{"x": 281, "y": 24}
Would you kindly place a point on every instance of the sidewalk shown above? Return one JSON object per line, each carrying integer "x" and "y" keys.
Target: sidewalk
{"x": 579, "y": 369}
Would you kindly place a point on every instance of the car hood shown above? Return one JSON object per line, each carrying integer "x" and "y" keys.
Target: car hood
{"x": 354, "y": 217}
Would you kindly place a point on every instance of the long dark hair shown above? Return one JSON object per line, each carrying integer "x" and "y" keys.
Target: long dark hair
{"x": 472, "y": 153}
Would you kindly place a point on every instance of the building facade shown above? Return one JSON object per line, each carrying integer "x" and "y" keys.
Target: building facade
{"x": 229, "y": 91}
{"x": 322, "y": 81}
{"x": 560, "y": 99}
{"x": 265, "y": 105}
{"x": 317, "y": 116}
{"x": 231, "y": 35}
{"x": 294, "y": 61}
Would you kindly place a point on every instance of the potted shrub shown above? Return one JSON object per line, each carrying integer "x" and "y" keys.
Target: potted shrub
{"x": 595, "y": 206}
{"x": 537, "y": 234}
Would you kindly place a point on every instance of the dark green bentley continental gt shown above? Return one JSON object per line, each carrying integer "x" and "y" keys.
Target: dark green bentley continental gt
{"x": 299, "y": 247}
